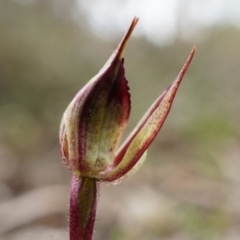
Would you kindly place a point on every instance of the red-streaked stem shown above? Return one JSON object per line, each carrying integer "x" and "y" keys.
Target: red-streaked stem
{"x": 83, "y": 205}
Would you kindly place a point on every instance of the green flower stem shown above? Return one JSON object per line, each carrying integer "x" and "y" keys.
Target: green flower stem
{"x": 83, "y": 205}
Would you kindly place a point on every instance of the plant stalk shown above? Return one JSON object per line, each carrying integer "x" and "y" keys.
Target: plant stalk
{"x": 83, "y": 206}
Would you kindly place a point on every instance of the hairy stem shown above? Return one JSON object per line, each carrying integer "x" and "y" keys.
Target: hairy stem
{"x": 83, "y": 205}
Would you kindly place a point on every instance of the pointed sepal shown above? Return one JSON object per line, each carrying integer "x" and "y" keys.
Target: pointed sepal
{"x": 147, "y": 129}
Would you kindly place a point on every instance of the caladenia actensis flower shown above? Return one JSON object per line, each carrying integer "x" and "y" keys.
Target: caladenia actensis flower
{"x": 90, "y": 131}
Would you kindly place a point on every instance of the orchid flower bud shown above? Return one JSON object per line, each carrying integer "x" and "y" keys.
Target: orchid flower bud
{"x": 94, "y": 121}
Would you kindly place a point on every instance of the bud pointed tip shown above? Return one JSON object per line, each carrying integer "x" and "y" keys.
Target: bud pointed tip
{"x": 190, "y": 57}
{"x": 135, "y": 20}
{"x": 194, "y": 48}
{"x": 186, "y": 65}
{"x": 127, "y": 36}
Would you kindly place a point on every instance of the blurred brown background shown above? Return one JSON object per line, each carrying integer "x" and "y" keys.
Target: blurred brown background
{"x": 189, "y": 187}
